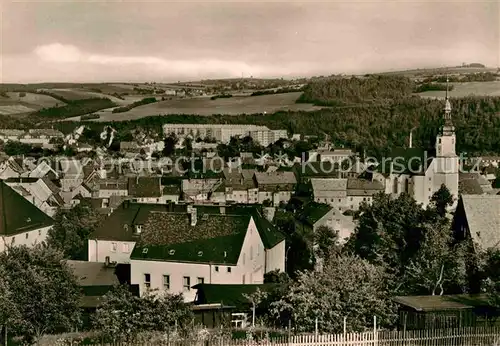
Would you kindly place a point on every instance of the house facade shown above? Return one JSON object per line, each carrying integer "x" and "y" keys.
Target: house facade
{"x": 174, "y": 247}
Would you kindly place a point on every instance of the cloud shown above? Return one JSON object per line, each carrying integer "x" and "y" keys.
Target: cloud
{"x": 57, "y": 52}
{"x": 61, "y": 54}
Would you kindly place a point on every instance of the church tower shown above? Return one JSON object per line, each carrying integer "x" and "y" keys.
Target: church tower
{"x": 446, "y": 162}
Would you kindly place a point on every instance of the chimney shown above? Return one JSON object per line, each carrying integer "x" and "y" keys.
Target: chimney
{"x": 106, "y": 263}
{"x": 269, "y": 213}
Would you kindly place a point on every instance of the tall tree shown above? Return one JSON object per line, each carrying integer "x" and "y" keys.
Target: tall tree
{"x": 8, "y": 309}
{"x": 441, "y": 200}
{"x": 123, "y": 316}
{"x": 390, "y": 231}
{"x": 44, "y": 291}
{"x": 170, "y": 142}
{"x": 346, "y": 287}
{"x": 439, "y": 267}
{"x": 326, "y": 242}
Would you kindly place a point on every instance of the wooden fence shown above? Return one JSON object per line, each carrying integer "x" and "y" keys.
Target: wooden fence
{"x": 487, "y": 336}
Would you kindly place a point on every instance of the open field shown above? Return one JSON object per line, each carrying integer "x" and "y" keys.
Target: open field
{"x": 205, "y": 106}
{"x": 42, "y": 101}
{"x": 31, "y": 102}
{"x": 467, "y": 89}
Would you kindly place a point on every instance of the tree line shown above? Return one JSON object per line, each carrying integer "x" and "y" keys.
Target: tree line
{"x": 374, "y": 128}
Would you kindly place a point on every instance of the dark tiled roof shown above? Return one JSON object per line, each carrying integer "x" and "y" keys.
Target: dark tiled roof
{"x": 406, "y": 161}
{"x": 93, "y": 273}
{"x": 144, "y": 187}
{"x": 275, "y": 178}
{"x": 174, "y": 228}
{"x": 171, "y": 190}
{"x": 17, "y": 214}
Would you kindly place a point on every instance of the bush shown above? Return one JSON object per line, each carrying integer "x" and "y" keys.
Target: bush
{"x": 142, "y": 102}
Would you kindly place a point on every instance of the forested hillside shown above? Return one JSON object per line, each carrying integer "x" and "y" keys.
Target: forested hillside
{"x": 376, "y": 128}
{"x": 345, "y": 91}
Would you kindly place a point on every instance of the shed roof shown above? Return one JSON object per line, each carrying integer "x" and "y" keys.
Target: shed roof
{"x": 440, "y": 303}
{"x": 232, "y": 295}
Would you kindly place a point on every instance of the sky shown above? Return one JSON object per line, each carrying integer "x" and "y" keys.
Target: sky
{"x": 120, "y": 41}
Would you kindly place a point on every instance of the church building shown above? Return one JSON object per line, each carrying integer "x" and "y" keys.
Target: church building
{"x": 418, "y": 172}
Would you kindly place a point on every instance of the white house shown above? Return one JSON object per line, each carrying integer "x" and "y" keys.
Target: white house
{"x": 179, "y": 250}
{"x": 22, "y": 223}
{"x": 316, "y": 215}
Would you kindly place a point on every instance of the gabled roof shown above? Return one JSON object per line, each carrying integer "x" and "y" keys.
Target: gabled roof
{"x": 93, "y": 273}
{"x": 18, "y": 215}
{"x": 120, "y": 224}
{"x": 411, "y": 161}
{"x": 312, "y": 212}
{"x": 483, "y": 218}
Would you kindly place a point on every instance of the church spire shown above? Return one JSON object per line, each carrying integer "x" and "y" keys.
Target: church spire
{"x": 447, "y": 105}
{"x": 448, "y": 127}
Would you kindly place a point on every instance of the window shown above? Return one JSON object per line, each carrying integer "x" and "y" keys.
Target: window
{"x": 113, "y": 247}
{"x": 27, "y": 235}
{"x": 13, "y": 241}
{"x": 166, "y": 282}
{"x": 39, "y": 232}
{"x": 126, "y": 248}
{"x": 228, "y": 269}
{"x": 147, "y": 280}
{"x": 187, "y": 283}
{"x": 217, "y": 268}
{"x": 243, "y": 279}
{"x": 201, "y": 280}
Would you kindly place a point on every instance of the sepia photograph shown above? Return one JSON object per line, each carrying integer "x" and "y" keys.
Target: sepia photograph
{"x": 245, "y": 173}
